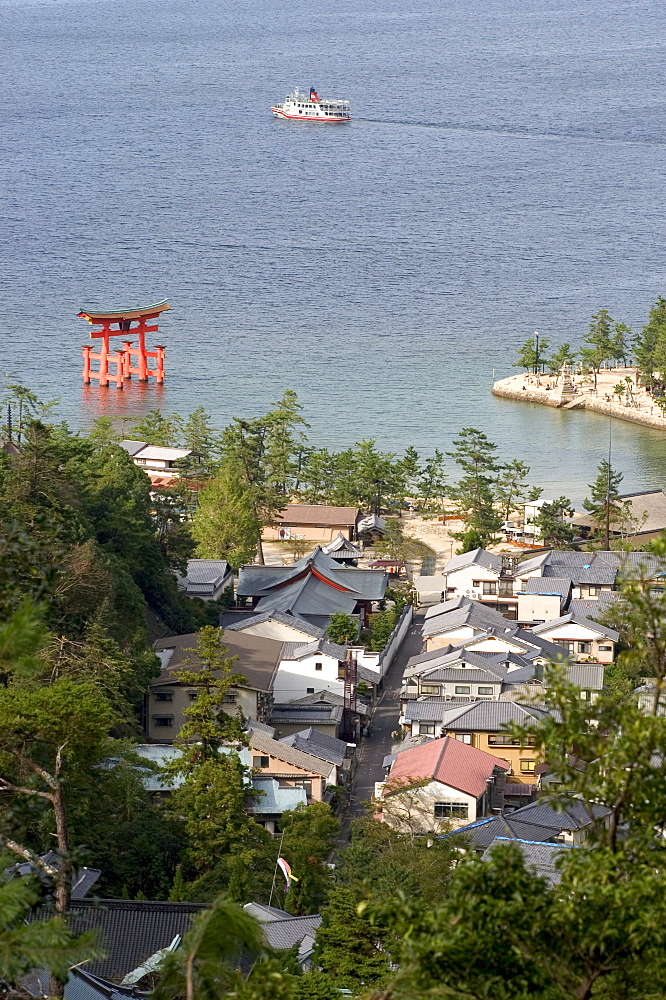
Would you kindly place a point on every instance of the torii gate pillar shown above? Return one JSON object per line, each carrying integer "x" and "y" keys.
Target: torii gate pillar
{"x": 116, "y": 323}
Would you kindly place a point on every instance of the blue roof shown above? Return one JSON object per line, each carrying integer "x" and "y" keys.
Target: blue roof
{"x": 276, "y": 799}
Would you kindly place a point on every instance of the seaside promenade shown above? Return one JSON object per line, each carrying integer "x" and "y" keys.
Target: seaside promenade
{"x": 571, "y": 392}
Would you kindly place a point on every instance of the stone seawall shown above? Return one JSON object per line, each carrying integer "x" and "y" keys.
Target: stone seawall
{"x": 512, "y": 388}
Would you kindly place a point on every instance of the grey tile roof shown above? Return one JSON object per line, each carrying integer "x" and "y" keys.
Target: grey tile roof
{"x": 486, "y": 831}
{"x": 490, "y": 716}
{"x": 540, "y": 857}
{"x": 431, "y": 709}
{"x": 572, "y": 815}
{"x": 296, "y": 588}
{"x": 576, "y": 619}
{"x": 463, "y": 675}
{"x": 594, "y": 608}
{"x": 467, "y": 613}
{"x": 589, "y": 676}
{"x": 238, "y": 621}
{"x": 648, "y": 508}
{"x": 133, "y": 447}
{"x": 560, "y": 586}
{"x": 295, "y": 713}
{"x": 477, "y": 557}
{"x": 81, "y": 985}
{"x": 330, "y": 698}
{"x": 258, "y": 657}
{"x": 298, "y": 650}
{"x": 318, "y": 744}
{"x": 342, "y": 548}
{"x": 130, "y": 931}
{"x": 275, "y": 800}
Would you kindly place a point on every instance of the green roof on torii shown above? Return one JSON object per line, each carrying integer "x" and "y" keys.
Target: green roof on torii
{"x": 94, "y": 315}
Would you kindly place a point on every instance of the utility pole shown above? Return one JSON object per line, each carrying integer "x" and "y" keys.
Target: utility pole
{"x": 608, "y": 487}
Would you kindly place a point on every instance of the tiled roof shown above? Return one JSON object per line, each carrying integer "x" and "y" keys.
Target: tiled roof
{"x": 589, "y": 676}
{"x": 298, "y": 650}
{"x": 275, "y": 800}
{"x": 446, "y": 760}
{"x": 594, "y": 608}
{"x": 303, "y": 513}
{"x": 491, "y": 716}
{"x": 477, "y": 557}
{"x": 574, "y": 619}
{"x": 258, "y": 657}
{"x": 133, "y": 447}
{"x": 329, "y": 698}
{"x": 130, "y": 931}
{"x": 484, "y": 832}
{"x": 572, "y": 815}
{"x": 538, "y": 856}
{"x": 342, "y": 548}
{"x": 282, "y": 930}
{"x": 318, "y": 744}
{"x": 273, "y": 748}
{"x": 206, "y": 570}
{"x": 293, "y": 621}
{"x": 81, "y": 985}
{"x": 467, "y": 613}
{"x": 296, "y": 713}
{"x": 549, "y": 585}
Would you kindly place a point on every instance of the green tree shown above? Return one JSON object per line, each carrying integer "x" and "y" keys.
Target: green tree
{"x": 470, "y": 540}
{"x": 603, "y": 502}
{"x": 317, "y": 476}
{"x": 511, "y": 488}
{"x": 620, "y": 342}
{"x": 649, "y": 343}
{"x": 226, "y": 525}
{"x": 158, "y": 430}
{"x": 309, "y": 837}
{"x": 201, "y": 437}
{"x": 348, "y": 948}
{"x": 554, "y": 530}
{"x": 342, "y": 629}
{"x": 432, "y": 486}
{"x": 381, "y": 626}
{"x": 41, "y": 944}
{"x": 564, "y": 355}
{"x": 284, "y": 439}
{"x": 103, "y": 433}
{"x": 25, "y": 403}
{"x": 475, "y": 490}
{"x": 532, "y": 354}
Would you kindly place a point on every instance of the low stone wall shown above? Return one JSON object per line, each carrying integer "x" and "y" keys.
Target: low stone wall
{"x": 582, "y": 401}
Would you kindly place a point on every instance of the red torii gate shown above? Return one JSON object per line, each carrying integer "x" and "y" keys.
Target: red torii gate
{"x": 123, "y": 319}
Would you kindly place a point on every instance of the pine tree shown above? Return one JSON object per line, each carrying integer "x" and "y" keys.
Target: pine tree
{"x": 603, "y": 503}
{"x": 226, "y": 525}
{"x": 475, "y": 490}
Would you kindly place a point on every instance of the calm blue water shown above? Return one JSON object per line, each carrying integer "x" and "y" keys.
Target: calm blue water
{"x": 504, "y": 173}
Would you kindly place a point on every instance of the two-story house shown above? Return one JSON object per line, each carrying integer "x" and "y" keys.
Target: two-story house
{"x": 484, "y": 577}
{"x": 440, "y": 783}
{"x": 582, "y": 638}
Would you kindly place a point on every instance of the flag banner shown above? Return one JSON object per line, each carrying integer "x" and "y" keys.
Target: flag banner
{"x": 286, "y": 871}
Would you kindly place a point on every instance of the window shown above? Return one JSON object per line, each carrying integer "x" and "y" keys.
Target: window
{"x": 485, "y": 690}
{"x": 430, "y": 689}
{"x": 229, "y": 698}
{"x": 476, "y": 583}
{"x": 502, "y": 740}
{"x": 593, "y": 591}
{"x": 309, "y": 690}
{"x": 318, "y": 666}
{"x": 260, "y": 761}
{"x": 464, "y": 738}
{"x": 163, "y": 721}
{"x": 427, "y": 728}
{"x": 192, "y": 695}
{"x": 584, "y": 647}
{"x": 462, "y": 689}
{"x": 163, "y": 696}
{"x": 605, "y": 649}
{"x": 527, "y": 766}
{"x": 489, "y": 587}
{"x": 459, "y": 810}
{"x": 585, "y": 695}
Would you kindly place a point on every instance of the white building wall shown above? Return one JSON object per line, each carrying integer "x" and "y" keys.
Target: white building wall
{"x": 460, "y": 583}
{"x": 413, "y": 810}
{"x": 294, "y": 677}
{"x": 539, "y": 607}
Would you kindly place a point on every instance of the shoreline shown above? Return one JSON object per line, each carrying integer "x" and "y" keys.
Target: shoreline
{"x": 638, "y": 407}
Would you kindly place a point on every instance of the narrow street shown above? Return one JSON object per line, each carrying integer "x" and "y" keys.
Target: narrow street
{"x": 384, "y": 722}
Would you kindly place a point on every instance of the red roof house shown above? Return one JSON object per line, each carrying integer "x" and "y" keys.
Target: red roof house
{"x": 440, "y": 784}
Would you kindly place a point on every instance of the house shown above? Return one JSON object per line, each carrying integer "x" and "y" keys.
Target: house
{"x": 546, "y": 821}
{"x": 543, "y": 599}
{"x": 482, "y": 725}
{"x": 304, "y": 669}
{"x": 207, "y": 579}
{"x": 296, "y": 716}
{"x": 464, "y": 622}
{"x": 315, "y": 585}
{"x": 291, "y": 767}
{"x": 343, "y": 551}
{"x": 460, "y": 673}
{"x": 645, "y": 517}
{"x": 482, "y": 576}
{"x": 430, "y": 589}
{"x": 161, "y": 464}
{"x": 439, "y": 783}
{"x": 580, "y": 636}
{"x": 314, "y": 522}
{"x": 275, "y": 625}
{"x": 370, "y": 528}
{"x": 283, "y": 931}
{"x": 258, "y": 659}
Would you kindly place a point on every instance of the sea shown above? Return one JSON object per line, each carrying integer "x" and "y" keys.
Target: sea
{"x": 504, "y": 173}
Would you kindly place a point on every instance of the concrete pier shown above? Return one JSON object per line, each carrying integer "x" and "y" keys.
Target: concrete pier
{"x": 635, "y": 405}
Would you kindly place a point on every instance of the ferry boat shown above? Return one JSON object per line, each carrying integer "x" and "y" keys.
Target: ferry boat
{"x": 300, "y": 107}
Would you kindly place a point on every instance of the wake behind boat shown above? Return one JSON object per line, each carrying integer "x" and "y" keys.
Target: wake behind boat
{"x": 300, "y": 107}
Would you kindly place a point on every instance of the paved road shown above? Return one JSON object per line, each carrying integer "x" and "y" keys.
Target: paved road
{"x": 384, "y": 722}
